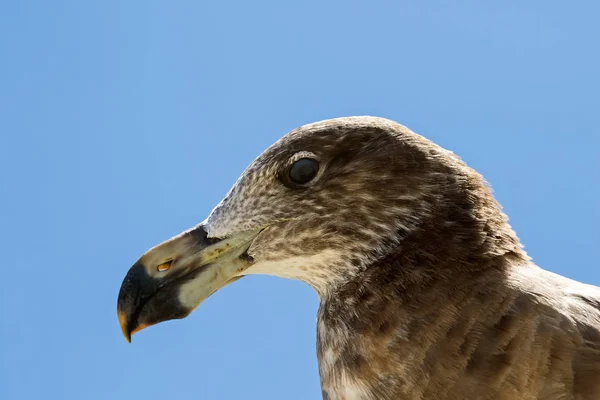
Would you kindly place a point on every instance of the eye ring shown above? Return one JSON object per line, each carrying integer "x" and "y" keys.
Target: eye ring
{"x": 303, "y": 170}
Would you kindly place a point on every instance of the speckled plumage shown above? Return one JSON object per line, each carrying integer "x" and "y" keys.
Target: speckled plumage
{"x": 426, "y": 292}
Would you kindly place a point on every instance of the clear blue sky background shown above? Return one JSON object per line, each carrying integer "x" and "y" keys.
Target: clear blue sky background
{"x": 123, "y": 123}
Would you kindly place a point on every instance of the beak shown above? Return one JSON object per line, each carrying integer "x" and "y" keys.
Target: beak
{"x": 173, "y": 278}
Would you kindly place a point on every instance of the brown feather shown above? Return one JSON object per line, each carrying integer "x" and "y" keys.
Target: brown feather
{"x": 458, "y": 311}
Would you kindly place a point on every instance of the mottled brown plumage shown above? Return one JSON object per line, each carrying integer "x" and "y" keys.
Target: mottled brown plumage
{"x": 426, "y": 292}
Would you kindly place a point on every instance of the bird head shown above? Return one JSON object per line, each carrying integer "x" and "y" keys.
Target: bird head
{"x": 318, "y": 205}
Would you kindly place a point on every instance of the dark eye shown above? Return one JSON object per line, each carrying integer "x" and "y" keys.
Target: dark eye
{"x": 303, "y": 170}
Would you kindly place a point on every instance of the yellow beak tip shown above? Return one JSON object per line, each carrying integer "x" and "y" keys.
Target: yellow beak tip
{"x": 124, "y": 328}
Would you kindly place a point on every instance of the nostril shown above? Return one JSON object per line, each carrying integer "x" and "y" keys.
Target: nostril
{"x": 164, "y": 266}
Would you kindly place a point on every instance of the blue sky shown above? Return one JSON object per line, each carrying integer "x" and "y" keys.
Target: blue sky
{"x": 123, "y": 123}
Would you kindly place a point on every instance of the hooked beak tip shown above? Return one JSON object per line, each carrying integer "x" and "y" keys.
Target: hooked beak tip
{"x": 124, "y": 327}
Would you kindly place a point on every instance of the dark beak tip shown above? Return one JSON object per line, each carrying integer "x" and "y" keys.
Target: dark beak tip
{"x": 124, "y": 325}
{"x": 144, "y": 300}
{"x": 136, "y": 280}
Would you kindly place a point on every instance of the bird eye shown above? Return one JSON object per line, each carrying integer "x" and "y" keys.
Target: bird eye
{"x": 303, "y": 170}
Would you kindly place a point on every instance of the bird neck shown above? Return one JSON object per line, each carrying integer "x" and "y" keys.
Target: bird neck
{"x": 387, "y": 320}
